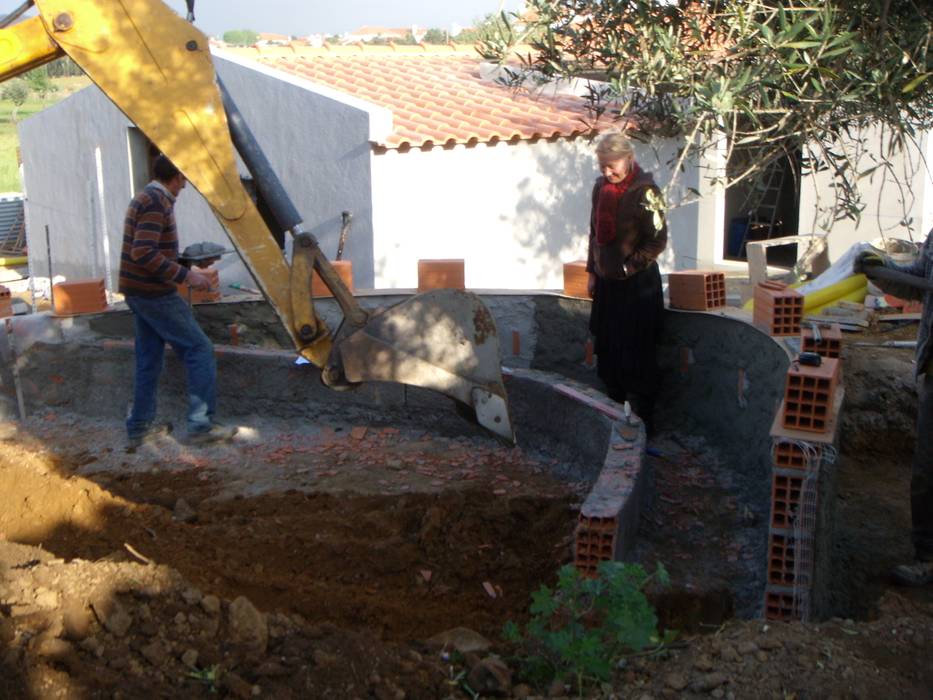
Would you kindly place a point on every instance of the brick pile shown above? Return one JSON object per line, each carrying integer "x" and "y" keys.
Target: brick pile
{"x": 830, "y": 342}
{"x": 696, "y": 290}
{"x": 440, "y": 274}
{"x": 778, "y": 309}
{"x": 86, "y": 296}
{"x": 202, "y": 296}
{"x": 575, "y": 280}
{"x": 344, "y": 269}
{"x": 6, "y": 302}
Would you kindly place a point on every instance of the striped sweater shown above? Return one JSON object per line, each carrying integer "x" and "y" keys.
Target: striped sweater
{"x": 148, "y": 266}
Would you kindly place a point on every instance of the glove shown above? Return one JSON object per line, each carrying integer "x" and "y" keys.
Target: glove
{"x": 867, "y": 259}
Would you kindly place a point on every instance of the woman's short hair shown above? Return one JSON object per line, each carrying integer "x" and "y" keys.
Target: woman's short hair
{"x": 615, "y": 146}
{"x": 163, "y": 169}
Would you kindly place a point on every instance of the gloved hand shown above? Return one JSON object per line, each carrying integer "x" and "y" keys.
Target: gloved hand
{"x": 866, "y": 259}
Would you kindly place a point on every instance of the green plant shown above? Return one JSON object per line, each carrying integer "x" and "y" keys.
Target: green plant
{"x": 208, "y": 676}
{"x": 584, "y": 625}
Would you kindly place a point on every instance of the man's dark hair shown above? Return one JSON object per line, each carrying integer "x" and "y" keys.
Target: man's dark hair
{"x": 163, "y": 169}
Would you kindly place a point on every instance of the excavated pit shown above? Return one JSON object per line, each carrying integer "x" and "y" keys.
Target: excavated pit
{"x": 381, "y": 508}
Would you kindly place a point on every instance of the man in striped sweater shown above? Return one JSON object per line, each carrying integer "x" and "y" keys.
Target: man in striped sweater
{"x": 149, "y": 273}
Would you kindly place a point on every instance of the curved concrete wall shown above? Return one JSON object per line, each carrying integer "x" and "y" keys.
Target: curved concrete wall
{"x": 723, "y": 379}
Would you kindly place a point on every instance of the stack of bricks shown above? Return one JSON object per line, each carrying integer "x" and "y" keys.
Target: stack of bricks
{"x": 202, "y": 296}
{"x": 792, "y": 562}
{"x": 696, "y": 290}
{"x": 802, "y": 487}
{"x": 809, "y": 395}
{"x": 344, "y": 270}
{"x": 575, "y": 280}
{"x": 440, "y": 274}
{"x": 6, "y": 302}
{"x": 830, "y": 339}
{"x": 778, "y": 309}
{"x": 79, "y": 297}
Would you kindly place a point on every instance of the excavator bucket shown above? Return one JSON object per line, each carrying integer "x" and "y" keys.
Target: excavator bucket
{"x": 444, "y": 340}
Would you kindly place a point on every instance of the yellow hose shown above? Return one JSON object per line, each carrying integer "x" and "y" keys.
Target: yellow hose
{"x": 857, "y": 295}
{"x": 21, "y": 260}
{"x": 834, "y": 292}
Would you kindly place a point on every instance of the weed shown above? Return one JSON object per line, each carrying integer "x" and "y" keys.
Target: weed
{"x": 581, "y": 628}
{"x": 208, "y": 676}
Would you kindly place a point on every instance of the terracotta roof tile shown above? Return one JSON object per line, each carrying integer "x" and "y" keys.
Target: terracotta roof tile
{"x": 436, "y": 94}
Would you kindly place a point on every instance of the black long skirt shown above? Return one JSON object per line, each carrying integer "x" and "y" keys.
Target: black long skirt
{"x": 626, "y": 322}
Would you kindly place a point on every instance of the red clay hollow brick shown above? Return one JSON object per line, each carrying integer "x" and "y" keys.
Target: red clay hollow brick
{"x": 788, "y": 455}
{"x": 202, "y": 296}
{"x": 781, "y": 555}
{"x": 786, "y": 494}
{"x": 830, "y": 344}
{"x": 778, "y": 309}
{"x": 575, "y": 280}
{"x": 80, "y": 297}
{"x": 780, "y": 605}
{"x": 595, "y": 543}
{"x": 440, "y": 274}
{"x": 344, "y": 270}
{"x": 809, "y": 395}
{"x": 696, "y": 290}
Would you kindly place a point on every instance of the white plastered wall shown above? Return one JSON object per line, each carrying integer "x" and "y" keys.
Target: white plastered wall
{"x": 898, "y": 201}
{"x": 513, "y": 213}
{"x": 316, "y": 140}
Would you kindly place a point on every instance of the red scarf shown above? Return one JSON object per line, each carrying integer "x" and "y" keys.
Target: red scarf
{"x": 607, "y": 204}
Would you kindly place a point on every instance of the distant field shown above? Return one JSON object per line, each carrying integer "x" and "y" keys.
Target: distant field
{"x": 9, "y": 140}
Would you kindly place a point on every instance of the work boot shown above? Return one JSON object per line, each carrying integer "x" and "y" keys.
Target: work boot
{"x": 920, "y": 573}
{"x": 154, "y": 431}
{"x": 216, "y": 433}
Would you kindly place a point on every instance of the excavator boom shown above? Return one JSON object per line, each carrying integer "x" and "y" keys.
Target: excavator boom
{"x": 157, "y": 69}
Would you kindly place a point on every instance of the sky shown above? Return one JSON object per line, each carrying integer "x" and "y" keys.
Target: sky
{"x": 303, "y": 17}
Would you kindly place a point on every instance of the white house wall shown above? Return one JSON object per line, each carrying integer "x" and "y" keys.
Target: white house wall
{"x": 318, "y": 143}
{"x": 514, "y": 213}
{"x": 892, "y": 210}
{"x": 318, "y": 146}
{"x": 60, "y": 172}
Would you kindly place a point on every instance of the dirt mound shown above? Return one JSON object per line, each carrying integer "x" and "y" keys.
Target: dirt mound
{"x": 132, "y": 630}
{"x": 404, "y": 566}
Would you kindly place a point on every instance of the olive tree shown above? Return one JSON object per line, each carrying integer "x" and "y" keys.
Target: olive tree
{"x": 757, "y": 80}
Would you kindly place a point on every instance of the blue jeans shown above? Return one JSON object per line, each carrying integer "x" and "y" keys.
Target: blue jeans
{"x": 168, "y": 319}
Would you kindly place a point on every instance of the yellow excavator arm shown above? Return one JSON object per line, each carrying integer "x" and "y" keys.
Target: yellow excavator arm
{"x": 157, "y": 69}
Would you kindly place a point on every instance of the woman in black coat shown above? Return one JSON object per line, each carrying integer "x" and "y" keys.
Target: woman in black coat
{"x": 626, "y": 237}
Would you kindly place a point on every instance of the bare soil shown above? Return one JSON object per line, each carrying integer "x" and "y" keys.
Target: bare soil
{"x": 317, "y": 562}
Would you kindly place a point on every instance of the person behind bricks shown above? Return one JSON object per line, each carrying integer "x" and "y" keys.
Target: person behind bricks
{"x": 149, "y": 275}
{"x": 920, "y": 571}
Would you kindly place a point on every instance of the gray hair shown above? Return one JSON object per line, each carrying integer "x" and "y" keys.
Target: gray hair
{"x": 615, "y": 145}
